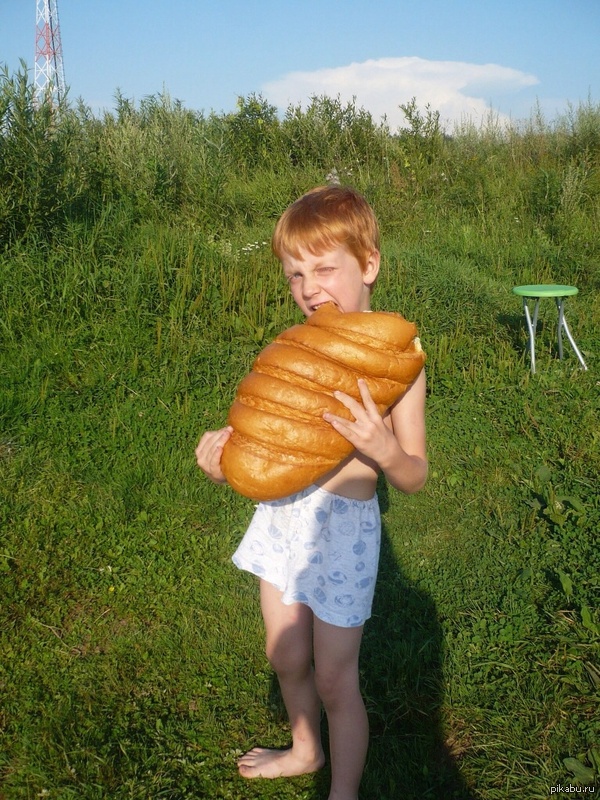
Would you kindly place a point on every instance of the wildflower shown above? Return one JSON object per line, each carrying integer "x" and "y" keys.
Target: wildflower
{"x": 252, "y": 246}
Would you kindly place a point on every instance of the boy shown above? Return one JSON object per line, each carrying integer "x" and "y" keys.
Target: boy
{"x": 328, "y": 244}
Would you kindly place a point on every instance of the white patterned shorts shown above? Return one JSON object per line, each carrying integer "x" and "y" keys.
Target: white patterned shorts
{"x": 317, "y": 548}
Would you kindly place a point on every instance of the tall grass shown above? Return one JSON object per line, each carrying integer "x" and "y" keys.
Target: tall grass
{"x": 136, "y": 287}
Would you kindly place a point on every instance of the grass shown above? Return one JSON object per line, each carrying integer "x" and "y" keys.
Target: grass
{"x": 132, "y": 650}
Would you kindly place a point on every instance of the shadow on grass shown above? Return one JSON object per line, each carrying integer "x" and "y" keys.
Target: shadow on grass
{"x": 516, "y": 328}
{"x": 545, "y": 334}
{"x": 410, "y": 757}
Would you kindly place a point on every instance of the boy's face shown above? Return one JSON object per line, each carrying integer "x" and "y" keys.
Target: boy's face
{"x": 334, "y": 276}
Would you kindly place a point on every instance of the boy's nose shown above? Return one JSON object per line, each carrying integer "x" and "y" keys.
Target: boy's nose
{"x": 310, "y": 287}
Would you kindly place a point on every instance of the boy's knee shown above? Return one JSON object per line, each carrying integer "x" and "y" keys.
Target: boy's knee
{"x": 325, "y": 685}
{"x": 287, "y": 661}
{"x": 334, "y": 687}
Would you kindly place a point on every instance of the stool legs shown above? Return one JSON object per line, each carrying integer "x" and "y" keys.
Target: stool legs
{"x": 562, "y": 325}
{"x": 531, "y": 326}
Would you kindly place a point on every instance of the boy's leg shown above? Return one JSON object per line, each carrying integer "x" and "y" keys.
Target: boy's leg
{"x": 289, "y": 631}
{"x": 336, "y": 652}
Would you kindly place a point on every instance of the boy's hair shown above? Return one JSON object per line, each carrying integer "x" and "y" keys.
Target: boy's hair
{"x": 325, "y": 218}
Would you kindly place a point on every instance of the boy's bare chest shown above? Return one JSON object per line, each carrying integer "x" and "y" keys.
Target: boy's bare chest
{"x": 355, "y": 477}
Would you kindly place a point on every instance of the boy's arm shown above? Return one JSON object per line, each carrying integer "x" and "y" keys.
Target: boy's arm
{"x": 408, "y": 472}
{"x": 397, "y": 443}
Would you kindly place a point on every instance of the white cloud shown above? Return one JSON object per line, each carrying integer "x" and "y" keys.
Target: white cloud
{"x": 456, "y": 89}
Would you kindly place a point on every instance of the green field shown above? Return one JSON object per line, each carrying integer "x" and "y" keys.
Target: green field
{"x": 136, "y": 288}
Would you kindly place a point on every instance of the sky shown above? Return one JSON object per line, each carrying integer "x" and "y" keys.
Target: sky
{"x": 465, "y": 58}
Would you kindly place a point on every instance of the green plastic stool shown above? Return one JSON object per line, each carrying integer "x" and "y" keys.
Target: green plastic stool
{"x": 559, "y": 293}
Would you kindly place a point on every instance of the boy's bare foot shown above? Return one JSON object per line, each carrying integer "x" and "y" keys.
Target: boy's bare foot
{"x": 263, "y": 763}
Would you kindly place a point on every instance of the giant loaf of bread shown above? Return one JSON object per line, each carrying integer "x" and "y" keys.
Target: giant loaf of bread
{"x": 280, "y": 442}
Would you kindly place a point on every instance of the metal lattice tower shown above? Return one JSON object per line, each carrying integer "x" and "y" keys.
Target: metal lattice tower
{"x": 49, "y": 68}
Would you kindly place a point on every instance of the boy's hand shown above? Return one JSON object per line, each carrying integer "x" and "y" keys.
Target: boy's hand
{"x": 367, "y": 432}
{"x": 209, "y": 452}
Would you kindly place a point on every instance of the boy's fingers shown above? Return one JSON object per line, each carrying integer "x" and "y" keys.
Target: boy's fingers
{"x": 367, "y": 405}
{"x": 212, "y": 444}
{"x": 368, "y": 401}
{"x": 351, "y": 404}
{"x": 220, "y": 439}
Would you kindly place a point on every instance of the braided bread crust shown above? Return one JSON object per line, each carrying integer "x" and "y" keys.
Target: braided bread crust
{"x": 281, "y": 443}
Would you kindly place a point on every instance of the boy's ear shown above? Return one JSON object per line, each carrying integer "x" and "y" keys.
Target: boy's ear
{"x": 371, "y": 270}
